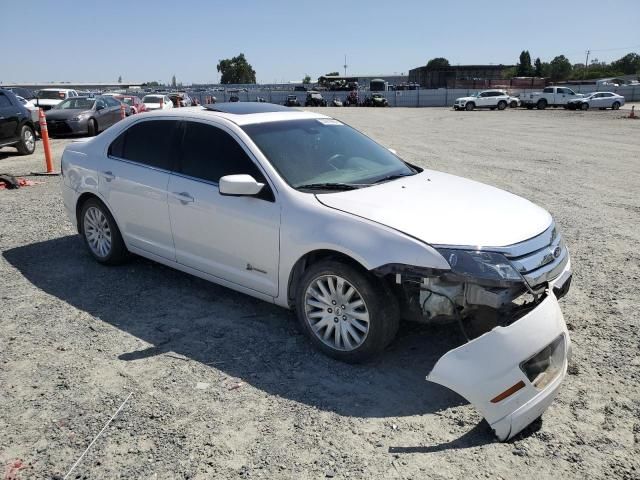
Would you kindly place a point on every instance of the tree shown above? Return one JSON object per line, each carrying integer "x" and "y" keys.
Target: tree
{"x": 537, "y": 72}
{"x": 173, "y": 81}
{"x": 236, "y": 70}
{"x": 559, "y": 68}
{"x": 438, "y": 63}
{"x": 306, "y": 80}
{"x": 524, "y": 66}
{"x": 628, "y": 65}
{"x": 120, "y": 79}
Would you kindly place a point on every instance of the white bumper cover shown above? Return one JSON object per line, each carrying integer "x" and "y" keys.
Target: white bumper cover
{"x": 483, "y": 368}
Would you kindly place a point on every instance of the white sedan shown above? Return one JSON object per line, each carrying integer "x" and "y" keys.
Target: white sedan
{"x": 599, "y": 100}
{"x": 157, "y": 102}
{"x": 301, "y": 210}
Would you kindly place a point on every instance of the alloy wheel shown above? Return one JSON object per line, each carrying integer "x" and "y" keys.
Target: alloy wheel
{"x": 29, "y": 139}
{"x": 97, "y": 232}
{"x": 336, "y": 312}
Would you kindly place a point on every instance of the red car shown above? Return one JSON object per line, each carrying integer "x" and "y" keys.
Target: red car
{"x": 134, "y": 103}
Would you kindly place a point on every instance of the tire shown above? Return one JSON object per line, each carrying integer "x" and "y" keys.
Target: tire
{"x": 92, "y": 127}
{"x": 372, "y": 323}
{"x": 27, "y": 144}
{"x": 469, "y": 106}
{"x": 514, "y": 104}
{"x": 502, "y": 105}
{"x": 584, "y": 106}
{"x": 542, "y": 104}
{"x": 615, "y": 106}
{"x": 529, "y": 107}
{"x": 101, "y": 234}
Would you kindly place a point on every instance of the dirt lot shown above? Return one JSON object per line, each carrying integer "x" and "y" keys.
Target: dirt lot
{"x": 225, "y": 387}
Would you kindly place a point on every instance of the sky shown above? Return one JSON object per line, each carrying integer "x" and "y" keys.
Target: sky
{"x": 140, "y": 40}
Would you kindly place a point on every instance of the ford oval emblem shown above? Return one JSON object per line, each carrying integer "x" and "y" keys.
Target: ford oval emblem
{"x": 556, "y": 252}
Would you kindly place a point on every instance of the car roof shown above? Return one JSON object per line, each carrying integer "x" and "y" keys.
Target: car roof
{"x": 251, "y": 115}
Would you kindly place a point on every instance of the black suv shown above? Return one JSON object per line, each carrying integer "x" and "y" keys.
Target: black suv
{"x": 16, "y": 127}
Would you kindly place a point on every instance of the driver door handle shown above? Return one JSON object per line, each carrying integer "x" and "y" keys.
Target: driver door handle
{"x": 184, "y": 197}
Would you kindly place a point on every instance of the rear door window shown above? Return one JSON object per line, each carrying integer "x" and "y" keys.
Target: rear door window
{"x": 150, "y": 143}
{"x": 4, "y": 101}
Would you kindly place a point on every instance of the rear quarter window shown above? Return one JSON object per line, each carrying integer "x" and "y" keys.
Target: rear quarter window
{"x": 149, "y": 143}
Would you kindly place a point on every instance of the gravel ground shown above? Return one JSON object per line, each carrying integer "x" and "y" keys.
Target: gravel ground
{"x": 224, "y": 386}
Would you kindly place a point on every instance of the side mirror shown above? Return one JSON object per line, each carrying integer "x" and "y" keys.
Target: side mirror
{"x": 99, "y": 107}
{"x": 392, "y": 151}
{"x": 239, "y": 185}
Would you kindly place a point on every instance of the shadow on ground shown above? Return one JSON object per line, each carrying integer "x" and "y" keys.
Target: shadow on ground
{"x": 246, "y": 338}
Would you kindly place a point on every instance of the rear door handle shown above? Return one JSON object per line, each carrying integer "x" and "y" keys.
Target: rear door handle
{"x": 184, "y": 197}
{"x": 108, "y": 176}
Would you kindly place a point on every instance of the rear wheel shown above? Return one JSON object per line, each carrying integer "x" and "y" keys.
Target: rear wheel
{"x": 615, "y": 106}
{"x": 542, "y": 104}
{"x": 469, "y": 106}
{"x": 101, "y": 234}
{"x": 346, "y": 313}
{"x": 27, "y": 143}
{"x": 502, "y": 105}
{"x": 584, "y": 106}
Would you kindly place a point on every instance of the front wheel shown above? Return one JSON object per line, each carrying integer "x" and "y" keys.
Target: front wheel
{"x": 469, "y": 106}
{"x": 514, "y": 104}
{"x": 584, "y": 106}
{"x": 27, "y": 143}
{"x": 542, "y": 104}
{"x": 101, "y": 234}
{"x": 615, "y": 106}
{"x": 92, "y": 127}
{"x": 345, "y": 312}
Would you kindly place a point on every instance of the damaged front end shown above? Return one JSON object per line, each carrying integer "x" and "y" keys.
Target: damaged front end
{"x": 504, "y": 301}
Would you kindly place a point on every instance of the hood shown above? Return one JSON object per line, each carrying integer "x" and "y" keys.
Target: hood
{"x": 65, "y": 114}
{"x": 443, "y": 209}
{"x": 466, "y": 99}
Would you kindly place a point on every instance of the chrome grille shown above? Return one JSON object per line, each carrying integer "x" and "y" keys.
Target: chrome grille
{"x": 539, "y": 259}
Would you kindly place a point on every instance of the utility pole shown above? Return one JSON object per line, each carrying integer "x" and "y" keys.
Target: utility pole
{"x": 586, "y": 64}
{"x": 345, "y": 65}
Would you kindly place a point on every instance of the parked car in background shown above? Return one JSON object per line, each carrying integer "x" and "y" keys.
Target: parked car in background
{"x": 157, "y": 102}
{"x": 35, "y": 115}
{"x": 180, "y": 99}
{"x": 22, "y": 92}
{"x": 292, "y": 101}
{"x": 133, "y": 102}
{"x": 549, "y": 97}
{"x": 490, "y": 99}
{"x": 376, "y": 100}
{"x": 298, "y": 209}
{"x": 336, "y": 102}
{"x": 48, "y": 98}
{"x": 17, "y": 128}
{"x": 514, "y": 102}
{"x": 83, "y": 115}
{"x": 314, "y": 99}
{"x": 599, "y": 100}
{"x": 352, "y": 100}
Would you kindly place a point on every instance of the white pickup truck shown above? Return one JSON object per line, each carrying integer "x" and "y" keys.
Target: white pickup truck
{"x": 550, "y": 96}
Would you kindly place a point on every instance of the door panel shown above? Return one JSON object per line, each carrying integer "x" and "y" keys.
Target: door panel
{"x": 137, "y": 196}
{"x": 233, "y": 238}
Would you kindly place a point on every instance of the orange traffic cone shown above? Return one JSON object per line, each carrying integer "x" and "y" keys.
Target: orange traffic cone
{"x": 44, "y": 133}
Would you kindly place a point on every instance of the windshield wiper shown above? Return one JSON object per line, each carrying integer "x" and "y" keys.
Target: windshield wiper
{"x": 392, "y": 177}
{"x": 329, "y": 186}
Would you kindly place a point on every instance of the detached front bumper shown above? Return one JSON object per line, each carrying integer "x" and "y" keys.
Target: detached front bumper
{"x": 489, "y": 371}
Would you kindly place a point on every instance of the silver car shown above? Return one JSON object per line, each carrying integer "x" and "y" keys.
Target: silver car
{"x": 83, "y": 115}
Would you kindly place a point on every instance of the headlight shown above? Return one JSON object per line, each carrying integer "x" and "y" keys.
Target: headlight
{"x": 77, "y": 118}
{"x": 479, "y": 265}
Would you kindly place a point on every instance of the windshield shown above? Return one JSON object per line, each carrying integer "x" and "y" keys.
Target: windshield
{"x": 321, "y": 151}
{"x": 76, "y": 104}
{"x": 51, "y": 95}
{"x": 151, "y": 99}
